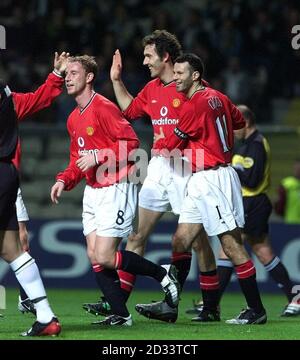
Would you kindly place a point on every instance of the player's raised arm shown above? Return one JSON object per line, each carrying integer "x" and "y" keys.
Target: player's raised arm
{"x": 28, "y": 103}
{"x": 122, "y": 95}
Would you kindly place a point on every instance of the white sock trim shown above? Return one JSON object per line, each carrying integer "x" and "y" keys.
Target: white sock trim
{"x": 273, "y": 263}
{"x": 21, "y": 263}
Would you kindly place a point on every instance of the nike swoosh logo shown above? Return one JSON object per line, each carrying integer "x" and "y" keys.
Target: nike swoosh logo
{"x": 115, "y": 323}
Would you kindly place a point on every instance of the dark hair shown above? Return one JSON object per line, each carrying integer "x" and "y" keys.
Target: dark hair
{"x": 195, "y": 63}
{"x": 247, "y": 113}
{"x": 88, "y": 63}
{"x": 164, "y": 42}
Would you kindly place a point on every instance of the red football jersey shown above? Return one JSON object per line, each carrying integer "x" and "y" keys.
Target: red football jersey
{"x": 28, "y": 103}
{"x": 99, "y": 128}
{"x": 206, "y": 123}
{"x": 161, "y": 102}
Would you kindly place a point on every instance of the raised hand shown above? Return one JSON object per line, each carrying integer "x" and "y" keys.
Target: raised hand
{"x": 60, "y": 62}
{"x": 116, "y": 66}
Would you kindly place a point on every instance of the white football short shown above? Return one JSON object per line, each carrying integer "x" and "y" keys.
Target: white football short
{"x": 165, "y": 185}
{"x": 109, "y": 210}
{"x": 22, "y": 214}
{"x": 214, "y": 199}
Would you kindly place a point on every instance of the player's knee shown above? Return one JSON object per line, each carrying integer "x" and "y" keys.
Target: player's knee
{"x": 264, "y": 256}
{"x": 178, "y": 244}
{"x": 10, "y": 253}
{"x": 196, "y": 245}
{"x": 24, "y": 240}
{"x": 230, "y": 249}
{"x": 237, "y": 254}
{"x": 136, "y": 242}
{"x": 91, "y": 256}
{"x": 105, "y": 261}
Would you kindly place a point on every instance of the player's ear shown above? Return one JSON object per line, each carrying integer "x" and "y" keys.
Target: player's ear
{"x": 196, "y": 75}
{"x": 90, "y": 77}
{"x": 166, "y": 57}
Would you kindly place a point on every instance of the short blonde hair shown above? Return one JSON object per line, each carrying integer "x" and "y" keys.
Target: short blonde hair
{"x": 88, "y": 63}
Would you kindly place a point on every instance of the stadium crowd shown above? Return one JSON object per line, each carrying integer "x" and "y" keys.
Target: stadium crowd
{"x": 246, "y": 45}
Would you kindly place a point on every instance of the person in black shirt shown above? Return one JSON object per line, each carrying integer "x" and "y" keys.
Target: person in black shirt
{"x": 14, "y": 107}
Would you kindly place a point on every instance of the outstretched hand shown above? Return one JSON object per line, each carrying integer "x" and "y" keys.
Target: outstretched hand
{"x": 116, "y": 66}
{"x": 60, "y": 61}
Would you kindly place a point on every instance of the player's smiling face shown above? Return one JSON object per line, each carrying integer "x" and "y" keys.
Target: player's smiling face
{"x": 183, "y": 77}
{"x": 153, "y": 61}
{"x": 76, "y": 78}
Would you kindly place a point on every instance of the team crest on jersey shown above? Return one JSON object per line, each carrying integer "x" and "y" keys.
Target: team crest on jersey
{"x": 176, "y": 103}
{"x": 90, "y": 130}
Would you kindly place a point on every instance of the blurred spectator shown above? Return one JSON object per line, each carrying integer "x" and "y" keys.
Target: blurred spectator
{"x": 252, "y": 36}
{"x": 288, "y": 203}
{"x": 236, "y": 81}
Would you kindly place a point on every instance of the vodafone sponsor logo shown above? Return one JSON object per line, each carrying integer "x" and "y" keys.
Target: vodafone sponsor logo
{"x": 164, "y": 111}
{"x": 80, "y": 142}
{"x": 164, "y": 120}
{"x": 86, "y": 152}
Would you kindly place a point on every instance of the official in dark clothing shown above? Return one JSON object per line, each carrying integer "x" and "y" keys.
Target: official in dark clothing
{"x": 13, "y": 108}
{"x": 252, "y": 162}
{"x": 9, "y": 179}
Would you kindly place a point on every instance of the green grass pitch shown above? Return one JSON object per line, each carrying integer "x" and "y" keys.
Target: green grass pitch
{"x": 76, "y": 324}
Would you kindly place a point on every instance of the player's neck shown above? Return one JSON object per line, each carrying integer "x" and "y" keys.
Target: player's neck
{"x": 83, "y": 98}
{"x": 194, "y": 88}
{"x": 167, "y": 76}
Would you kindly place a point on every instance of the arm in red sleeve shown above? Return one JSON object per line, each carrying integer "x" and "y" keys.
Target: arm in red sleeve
{"x": 72, "y": 175}
{"x": 29, "y": 103}
{"x": 237, "y": 118}
{"x": 138, "y": 106}
{"x": 177, "y": 140}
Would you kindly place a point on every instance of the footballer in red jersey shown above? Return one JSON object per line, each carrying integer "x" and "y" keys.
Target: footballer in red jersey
{"x": 99, "y": 125}
{"x": 14, "y": 107}
{"x": 161, "y": 102}
{"x": 101, "y": 138}
{"x": 207, "y": 121}
{"x": 165, "y": 185}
